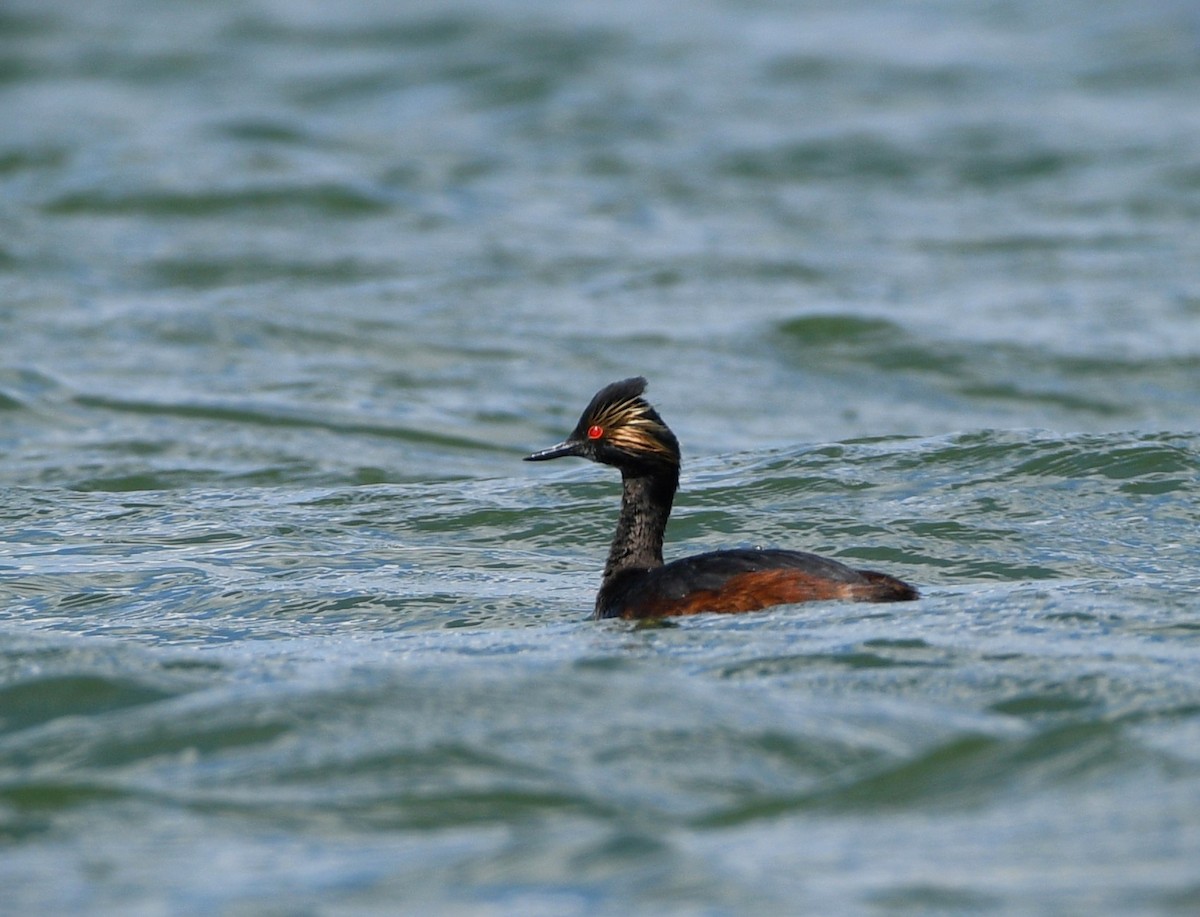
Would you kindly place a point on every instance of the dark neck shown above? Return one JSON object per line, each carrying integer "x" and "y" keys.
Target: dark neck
{"x": 645, "y": 506}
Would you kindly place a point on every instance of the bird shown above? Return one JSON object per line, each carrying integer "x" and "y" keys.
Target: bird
{"x": 620, "y": 428}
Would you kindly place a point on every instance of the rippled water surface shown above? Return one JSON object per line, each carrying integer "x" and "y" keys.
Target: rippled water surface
{"x": 288, "y": 289}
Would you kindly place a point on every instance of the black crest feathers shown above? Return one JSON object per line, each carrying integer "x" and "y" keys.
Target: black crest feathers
{"x": 620, "y": 417}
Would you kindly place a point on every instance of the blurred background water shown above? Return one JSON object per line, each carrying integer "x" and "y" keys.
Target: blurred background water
{"x": 288, "y": 288}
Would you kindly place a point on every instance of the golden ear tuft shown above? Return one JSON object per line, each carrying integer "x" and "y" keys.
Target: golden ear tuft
{"x": 633, "y": 425}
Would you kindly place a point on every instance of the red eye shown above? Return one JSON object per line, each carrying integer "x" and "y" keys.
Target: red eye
{"x": 595, "y": 432}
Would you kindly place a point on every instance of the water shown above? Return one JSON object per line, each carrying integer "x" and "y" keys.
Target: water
{"x": 287, "y": 290}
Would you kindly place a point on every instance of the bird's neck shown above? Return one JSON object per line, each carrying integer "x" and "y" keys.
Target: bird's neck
{"x": 646, "y": 500}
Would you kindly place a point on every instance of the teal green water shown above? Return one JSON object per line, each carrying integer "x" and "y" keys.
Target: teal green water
{"x": 286, "y": 293}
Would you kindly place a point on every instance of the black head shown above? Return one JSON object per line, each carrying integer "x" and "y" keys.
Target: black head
{"x": 619, "y": 428}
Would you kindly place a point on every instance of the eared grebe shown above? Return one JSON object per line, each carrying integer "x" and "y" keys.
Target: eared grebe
{"x": 620, "y": 428}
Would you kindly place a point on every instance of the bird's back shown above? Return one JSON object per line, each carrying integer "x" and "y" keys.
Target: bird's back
{"x": 741, "y": 580}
